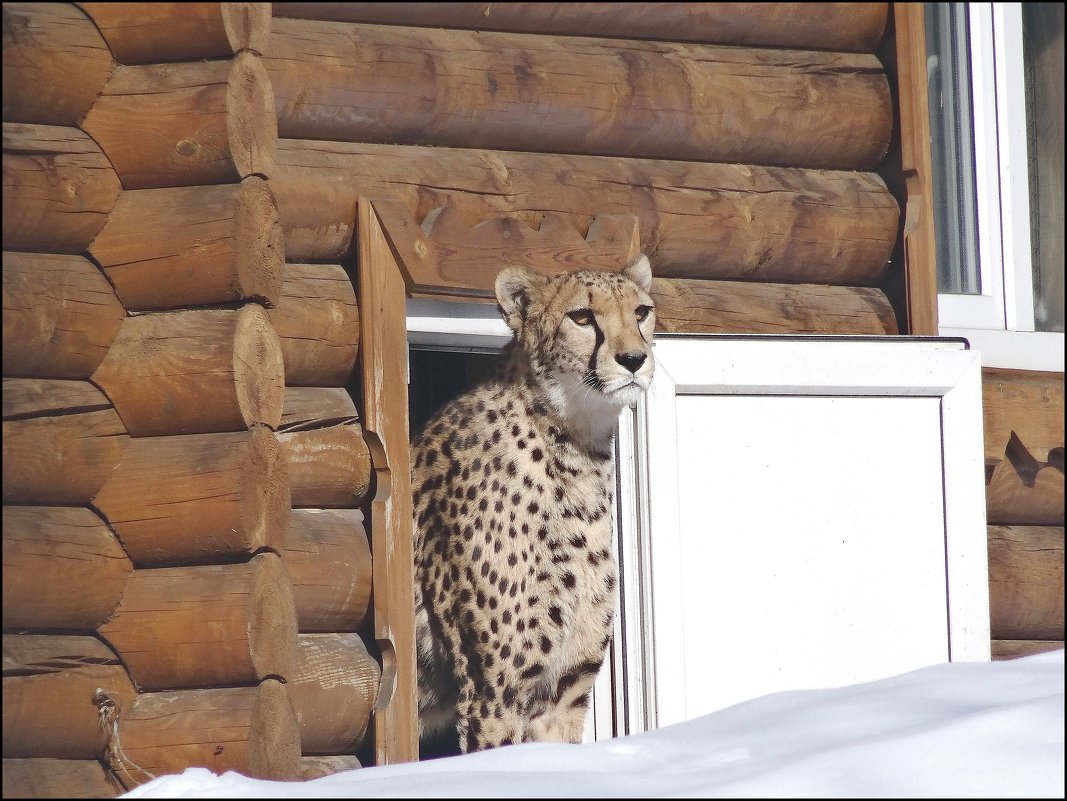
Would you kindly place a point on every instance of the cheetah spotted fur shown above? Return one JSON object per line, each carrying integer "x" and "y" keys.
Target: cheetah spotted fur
{"x": 513, "y": 493}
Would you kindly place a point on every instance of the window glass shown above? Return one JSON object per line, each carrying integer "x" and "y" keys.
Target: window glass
{"x": 952, "y": 148}
{"x": 1043, "y": 53}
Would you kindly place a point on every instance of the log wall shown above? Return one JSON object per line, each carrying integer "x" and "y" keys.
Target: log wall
{"x": 146, "y": 345}
{"x": 1023, "y": 416}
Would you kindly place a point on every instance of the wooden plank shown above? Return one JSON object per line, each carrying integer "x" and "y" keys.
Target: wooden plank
{"x": 428, "y": 86}
{"x": 1030, "y": 404}
{"x": 154, "y": 33}
{"x": 1013, "y": 649}
{"x": 385, "y": 414}
{"x": 1028, "y": 494}
{"x": 696, "y": 220}
{"x": 55, "y": 63}
{"x": 920, "y": 252}
{"x": 1026, "y": 582}
{"x": 819, "y": 26}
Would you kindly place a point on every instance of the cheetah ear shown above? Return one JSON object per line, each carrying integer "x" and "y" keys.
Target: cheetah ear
{"x": 514, "y": 289}
{"x": 640, "y": 272}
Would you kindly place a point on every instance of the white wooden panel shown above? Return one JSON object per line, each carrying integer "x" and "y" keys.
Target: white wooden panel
{"x": 803, "y": 566}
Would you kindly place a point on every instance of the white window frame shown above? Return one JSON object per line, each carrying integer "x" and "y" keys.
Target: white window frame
{"x": 999, "y": 322}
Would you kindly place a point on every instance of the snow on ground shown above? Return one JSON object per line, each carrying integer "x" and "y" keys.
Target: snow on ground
{"x": 960, "y": 729}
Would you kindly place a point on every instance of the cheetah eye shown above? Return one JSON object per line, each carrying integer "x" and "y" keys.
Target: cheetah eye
{"x": 642, "y": 313}
{"x": 581, "y": 316}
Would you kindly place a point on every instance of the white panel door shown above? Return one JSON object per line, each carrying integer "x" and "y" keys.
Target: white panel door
{"x": 817, "y": 515}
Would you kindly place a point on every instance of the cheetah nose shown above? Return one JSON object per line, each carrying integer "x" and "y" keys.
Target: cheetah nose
{"x": 631, "y": 361}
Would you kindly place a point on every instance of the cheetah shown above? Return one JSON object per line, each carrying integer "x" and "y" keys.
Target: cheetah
{"x": 513, "y": 495}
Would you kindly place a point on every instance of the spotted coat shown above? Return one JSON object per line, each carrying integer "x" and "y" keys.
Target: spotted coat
{"x": 512, "y": 482}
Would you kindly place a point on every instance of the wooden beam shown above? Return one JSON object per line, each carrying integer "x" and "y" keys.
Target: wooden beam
{"x": 920, "y": 251}
{"x": 1026, "y": 582}
{"x": 427, "y": 86}
{"x": 696, "y": 220}
{"x": 385, "y": 414}
{"x": 819, "y": 26}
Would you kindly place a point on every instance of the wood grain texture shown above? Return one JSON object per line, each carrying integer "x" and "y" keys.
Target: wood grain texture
{"x": 63, "y": 568}
{"x": 199, "y": 122}
{"x": 385, "y": 413}
{"x": 194, "y": 372}
{"x": 194, "y": 499}
{"x": 328, "y": 558}
{"x": 920, "y": 251}
{"x": 55, "y": 63}
{"x": 308, "y": 407}
{"x": 49, "y": 684}
{"x": 315, "y": 767}
{"x": 58, "y": 188}
{"x": 1026, "y": 582}
{"x": 333, "y": 691}
{"x": 39, "y": 397}
{"x": 819, "y": 26}
{"x": 696, "y": 220}
{"x": 1030, "y": 404}
{"x": 317, "y": 320}
{"x": 153, "y": 33}
{"x": 328, "y": 466}
{"x": 1032, "y": 497}
{"x": 1013, "y": 649}
{"x": 209, "y": 245}
{"x": 251, "y": 730}
{"x": 206, "y": 625}
{"x": 60, "y": 315}
{"x": 61, "y": 460}
{"x": 58, "y": 778}
{"x": 427, "y": 86}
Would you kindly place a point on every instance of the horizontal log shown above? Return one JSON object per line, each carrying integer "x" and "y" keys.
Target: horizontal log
{"x": 49, "y": 686}
{"x": 154, "y": 33}
{"x": 251, "y": 730}
{"x": 1026, "y": 582}
{"x": 60, "y": 315}
{"x": 209, "y": 245}
{"x": 311, "y": 406}
{"x": 328, "y": 466}
{"x": 58, "y": 188}
{"x": 193, "y": 499}
{"x": 194, "y": 372}
{"x": 328, "y": 558}
{"x": 315, "y": 767}
{"x": 317, "y": 320}
{"x": 736, "y": 307}
{"x": 1030, "y": 404}
{"x": 63, "y": 568}
{"x": 58, "y": 778}
{"x": 819, "y": 26}
{"x": 37, "y": 397}
{"x": 55, "y": 63}
{"x": 179, "y": 627}
{"x": 199, "y": 122}
{"x": 61, "y": 460}
{"x": 333, "y": 692}
{"x": 1013, "y": 649}
{"x": 427, "y": 86}
{"x": 696, "y": 220}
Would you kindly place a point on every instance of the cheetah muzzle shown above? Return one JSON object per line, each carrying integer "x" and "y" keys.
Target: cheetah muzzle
{"x": 513, "y": 493}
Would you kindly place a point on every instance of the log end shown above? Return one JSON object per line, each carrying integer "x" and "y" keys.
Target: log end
{"x": 273, "y": 738}
{"x": 247, "y": 25}
{"x": 259, "y": 246}
{"x": 264, "y": 490}
{"x": 252, "y": 125}
{"x": 258, "y": 368}
{"x": 272, "y": 619}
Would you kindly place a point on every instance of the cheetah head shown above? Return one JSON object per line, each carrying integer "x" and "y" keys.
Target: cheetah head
{"x": 588, "y": 335}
